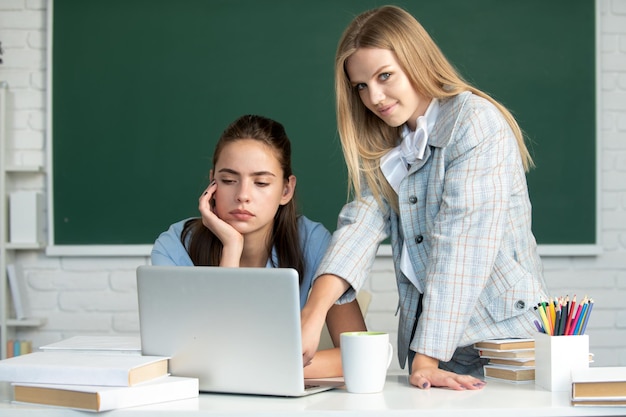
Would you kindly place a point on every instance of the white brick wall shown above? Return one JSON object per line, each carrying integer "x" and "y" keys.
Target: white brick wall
{"x": 79, "y": 295}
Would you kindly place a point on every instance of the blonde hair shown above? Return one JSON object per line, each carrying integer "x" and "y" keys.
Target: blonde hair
{"x": 365, "y": 138}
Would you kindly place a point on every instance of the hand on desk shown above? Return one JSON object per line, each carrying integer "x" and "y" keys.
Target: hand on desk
{"x": 425, "y": 373}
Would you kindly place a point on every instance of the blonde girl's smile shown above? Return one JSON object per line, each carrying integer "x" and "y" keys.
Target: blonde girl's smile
{"x": 384, "y": 88}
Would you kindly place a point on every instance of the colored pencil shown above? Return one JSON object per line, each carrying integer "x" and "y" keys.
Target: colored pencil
{"x": 587, "y": 316}
{"x": 572, "y": 308}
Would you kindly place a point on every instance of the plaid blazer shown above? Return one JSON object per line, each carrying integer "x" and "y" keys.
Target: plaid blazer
{"x": 465, "y": 216}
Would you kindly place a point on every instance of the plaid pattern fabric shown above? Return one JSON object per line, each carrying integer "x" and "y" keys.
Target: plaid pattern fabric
{"x": 465, "y": 216}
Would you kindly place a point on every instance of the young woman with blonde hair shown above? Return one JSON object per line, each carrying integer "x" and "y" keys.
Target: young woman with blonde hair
{"x": 439, "y": 167}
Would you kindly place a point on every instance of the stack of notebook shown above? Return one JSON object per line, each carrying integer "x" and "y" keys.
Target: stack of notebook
{"x": 510, "y": 360}
{"x": 93, "y": 381}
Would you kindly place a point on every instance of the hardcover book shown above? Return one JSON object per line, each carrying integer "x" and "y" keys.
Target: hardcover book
{"x": 525, "y": 353}
{"x": 509, "y": 373}
{"x": 599, "y": 385}
{"x": 526, "y": 362}
{"x": 82, "y": 368}
{"x": 505, "y": 344}
{"x": 102, "y": 398}
{"x": 18, "y": 293}
{"x": 97, "y": 344}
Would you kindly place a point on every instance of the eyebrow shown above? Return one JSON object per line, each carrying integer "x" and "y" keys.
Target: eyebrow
{"x": 254, "y": 174}
{"x": 383, "y": 68}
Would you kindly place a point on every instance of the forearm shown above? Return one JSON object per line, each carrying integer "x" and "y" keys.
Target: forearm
{"x": 325, "y": 364}
{"x": 231, "y": 254}
{"x": 324, "y": 293}
{"x": 344, "y": 318}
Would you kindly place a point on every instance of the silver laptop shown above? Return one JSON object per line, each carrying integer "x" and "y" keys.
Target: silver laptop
{"x": 235, "y": 329}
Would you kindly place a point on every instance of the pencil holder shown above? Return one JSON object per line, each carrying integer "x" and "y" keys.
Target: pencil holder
{"x": 556, "y": 357}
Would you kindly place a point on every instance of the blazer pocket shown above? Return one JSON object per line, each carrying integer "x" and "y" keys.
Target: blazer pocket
{"x": 511, "y": 292}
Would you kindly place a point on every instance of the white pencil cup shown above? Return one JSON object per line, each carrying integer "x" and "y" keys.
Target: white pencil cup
{"x": 556, "y": 357}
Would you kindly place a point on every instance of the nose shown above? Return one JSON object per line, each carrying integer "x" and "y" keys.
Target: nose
{"x": 243, "y": 194}
{"x": 376, "y": 94}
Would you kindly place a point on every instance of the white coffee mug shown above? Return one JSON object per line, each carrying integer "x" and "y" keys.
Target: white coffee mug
{"x": 365, "y": 358}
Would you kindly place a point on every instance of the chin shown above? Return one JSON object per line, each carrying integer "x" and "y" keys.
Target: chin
{"x": 394, "y": 122}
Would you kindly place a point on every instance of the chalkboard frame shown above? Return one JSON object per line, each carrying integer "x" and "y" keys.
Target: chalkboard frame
{"x": 94, "y": 247}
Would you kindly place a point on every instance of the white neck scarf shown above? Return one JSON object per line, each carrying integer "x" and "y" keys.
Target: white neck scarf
{"x": 395, "y": 165}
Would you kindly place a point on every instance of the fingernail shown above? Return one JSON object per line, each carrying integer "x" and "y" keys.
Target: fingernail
{"x": 479, "y": 384}
{"x": 425, "y": 385}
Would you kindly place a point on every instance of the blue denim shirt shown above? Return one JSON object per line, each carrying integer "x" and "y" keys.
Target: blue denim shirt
{"x": 314, "y": 240}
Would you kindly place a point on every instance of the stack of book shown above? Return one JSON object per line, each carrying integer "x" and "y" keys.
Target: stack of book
{"x": 510, "y": 360}
{"x": 599, "y": 386}
{"x": 18, "y": 347}
{"x": 94, "y": 381}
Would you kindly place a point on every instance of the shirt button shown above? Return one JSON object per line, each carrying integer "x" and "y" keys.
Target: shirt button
{"x": 419, "y": 239}
{"x": 412, "y": 199}
{"x": 520, "y": 305}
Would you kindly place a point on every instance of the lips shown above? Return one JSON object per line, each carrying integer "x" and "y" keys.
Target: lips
{"x": 241, "y": 214}
{"x": 386, "y": 110}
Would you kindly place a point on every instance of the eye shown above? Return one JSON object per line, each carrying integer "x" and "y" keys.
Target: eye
{"x": 360, "y": 86}
{"x": 261, "y": 183}
{"x": 384, "y": 76}
{"x": 227, "y": 181}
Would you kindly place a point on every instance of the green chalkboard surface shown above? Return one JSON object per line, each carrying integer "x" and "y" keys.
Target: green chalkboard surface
{"x": 141, "y": 90}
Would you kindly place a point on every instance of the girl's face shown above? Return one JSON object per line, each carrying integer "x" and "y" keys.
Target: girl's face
{"x": 384, "y": 88}
{"x": 250, "y": 186}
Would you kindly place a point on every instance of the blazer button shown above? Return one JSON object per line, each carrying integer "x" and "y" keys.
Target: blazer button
{"x": 419, "y": 239}
{"x": 520, "y": 305}
{"x": 412, "y": 199}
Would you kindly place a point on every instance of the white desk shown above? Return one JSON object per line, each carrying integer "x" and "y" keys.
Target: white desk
{"x": 398, "y": 399}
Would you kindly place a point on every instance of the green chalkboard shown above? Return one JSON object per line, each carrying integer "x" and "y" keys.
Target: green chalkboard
{"x": 141, "y": 90}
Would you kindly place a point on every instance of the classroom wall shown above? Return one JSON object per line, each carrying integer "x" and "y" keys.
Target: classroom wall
{"x": 97, "y": 295}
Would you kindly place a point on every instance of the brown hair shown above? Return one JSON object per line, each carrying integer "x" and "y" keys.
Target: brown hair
{"x": 205, "y": 248}
{"x": 365, "y": 138}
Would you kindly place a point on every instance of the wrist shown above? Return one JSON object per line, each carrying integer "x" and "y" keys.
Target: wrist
{"x": 231, "y": 255}
{"x": 421, "y": 361}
